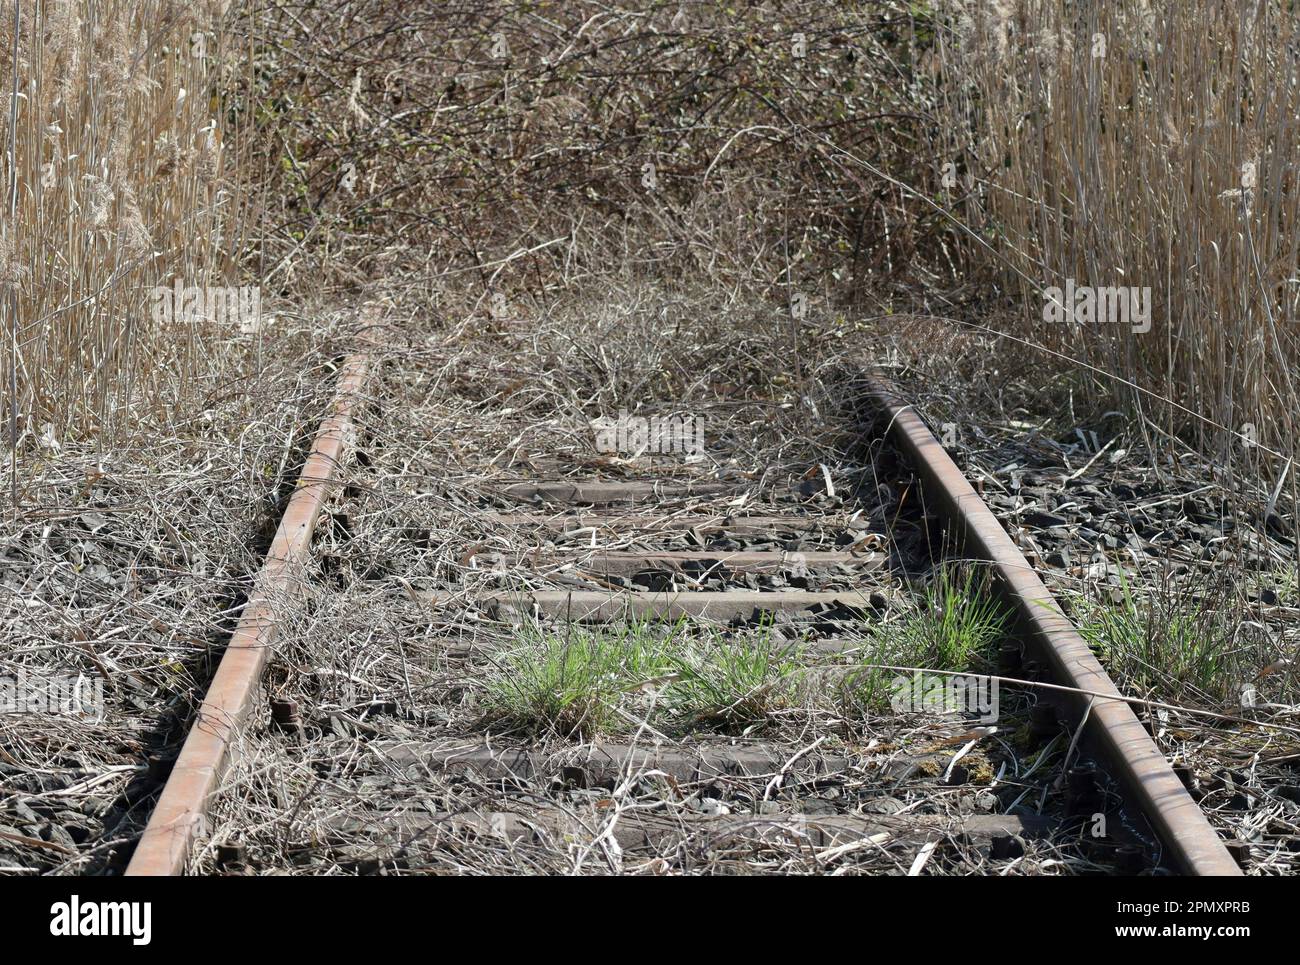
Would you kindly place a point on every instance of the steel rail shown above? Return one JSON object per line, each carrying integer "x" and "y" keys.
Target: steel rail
{"x": 1141, "y": 769}
{"x": 179, "y": 815}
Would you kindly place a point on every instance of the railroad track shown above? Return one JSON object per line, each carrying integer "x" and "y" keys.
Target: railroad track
{"x": 745, "y": 560}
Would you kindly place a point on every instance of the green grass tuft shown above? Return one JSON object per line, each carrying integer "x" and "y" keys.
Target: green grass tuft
{"x": 571, "y": 685}
{"x": 955, "y": 626}
{"x": 733, "y": 685}
{"x": 1178, "y": 642}
{"x": 586, "y": 682}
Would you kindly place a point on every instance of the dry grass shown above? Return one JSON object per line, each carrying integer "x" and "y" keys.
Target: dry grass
{"x": 1146, "y": 144}
{"x": 795, "y": 154}
{"x": 127, "y": 570}
{"x": 118, "y": 186}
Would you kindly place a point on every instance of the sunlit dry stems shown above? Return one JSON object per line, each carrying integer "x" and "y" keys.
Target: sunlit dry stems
{"x": 116, "y": 169}
{"x": 1146, "y": 144}
{"x": 9, "y": 256}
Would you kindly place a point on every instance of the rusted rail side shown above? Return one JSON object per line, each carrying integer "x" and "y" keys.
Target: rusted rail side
{"x": 165, "y": 845}
{"x": 1148, "y": 780}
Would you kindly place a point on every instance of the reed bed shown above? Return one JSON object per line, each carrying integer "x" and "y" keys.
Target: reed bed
{"x": 115, "y": 183}
{"x": 1144, "y": 144}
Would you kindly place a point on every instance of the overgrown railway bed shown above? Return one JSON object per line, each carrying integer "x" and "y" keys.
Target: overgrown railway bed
{"x": 519, "y": 660}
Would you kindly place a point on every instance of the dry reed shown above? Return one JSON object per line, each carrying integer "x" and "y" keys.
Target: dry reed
{"x": 1146, "y": 144}
{"x": 117, "y": 167}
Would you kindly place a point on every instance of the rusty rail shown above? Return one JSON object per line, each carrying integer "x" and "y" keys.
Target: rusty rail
{"x": 165, "y": 845}
{"x": 1148, "y": 780}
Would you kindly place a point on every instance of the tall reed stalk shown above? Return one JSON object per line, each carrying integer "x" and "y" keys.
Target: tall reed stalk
{"x": 1145, "y": 144}
{"x": 116, "y": 161}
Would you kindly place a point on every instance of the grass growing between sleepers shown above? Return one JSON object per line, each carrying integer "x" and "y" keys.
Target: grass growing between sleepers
{"x": 733, "y": 686}
{"x": 581, "y": 682}
{"x": 956, "y": 625}
{"x": 573, "y": 684}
